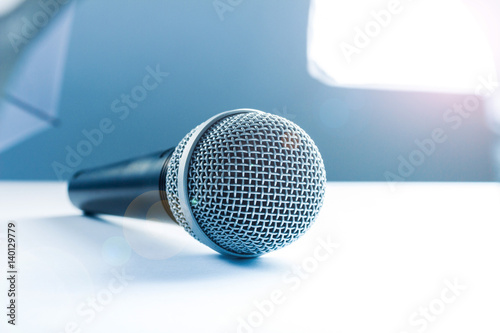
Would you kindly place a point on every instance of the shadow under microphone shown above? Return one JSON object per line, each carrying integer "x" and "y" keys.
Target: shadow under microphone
{"x": 244, "y": 183}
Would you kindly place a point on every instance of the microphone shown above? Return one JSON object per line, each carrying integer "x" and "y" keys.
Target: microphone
{"x": 244, "y": 183}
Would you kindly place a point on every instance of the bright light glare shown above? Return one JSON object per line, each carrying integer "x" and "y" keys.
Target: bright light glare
{"x": 8, "y": 5}
{"x": 434, "y": 45}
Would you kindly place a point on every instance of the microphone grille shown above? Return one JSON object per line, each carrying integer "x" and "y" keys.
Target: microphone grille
{"x": 255, "y": 183}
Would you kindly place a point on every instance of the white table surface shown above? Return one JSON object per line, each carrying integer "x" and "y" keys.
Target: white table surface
{"x": 396, "y": 250}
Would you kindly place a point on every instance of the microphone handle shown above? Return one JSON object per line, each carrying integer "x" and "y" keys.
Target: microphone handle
{"x": 132, "y": 188}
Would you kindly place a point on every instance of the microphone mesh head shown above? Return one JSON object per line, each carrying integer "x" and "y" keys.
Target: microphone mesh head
{"x": 255, "y": 183}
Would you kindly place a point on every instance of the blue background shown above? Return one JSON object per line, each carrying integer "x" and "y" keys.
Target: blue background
{"x": 254, "y": 58}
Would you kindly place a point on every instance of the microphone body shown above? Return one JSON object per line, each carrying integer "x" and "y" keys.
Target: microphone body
{"x": 129, "y": 188}
{"x": 244, "y": 183}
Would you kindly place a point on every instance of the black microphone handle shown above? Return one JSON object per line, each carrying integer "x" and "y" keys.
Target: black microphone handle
{"x": 132, "y": 188}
